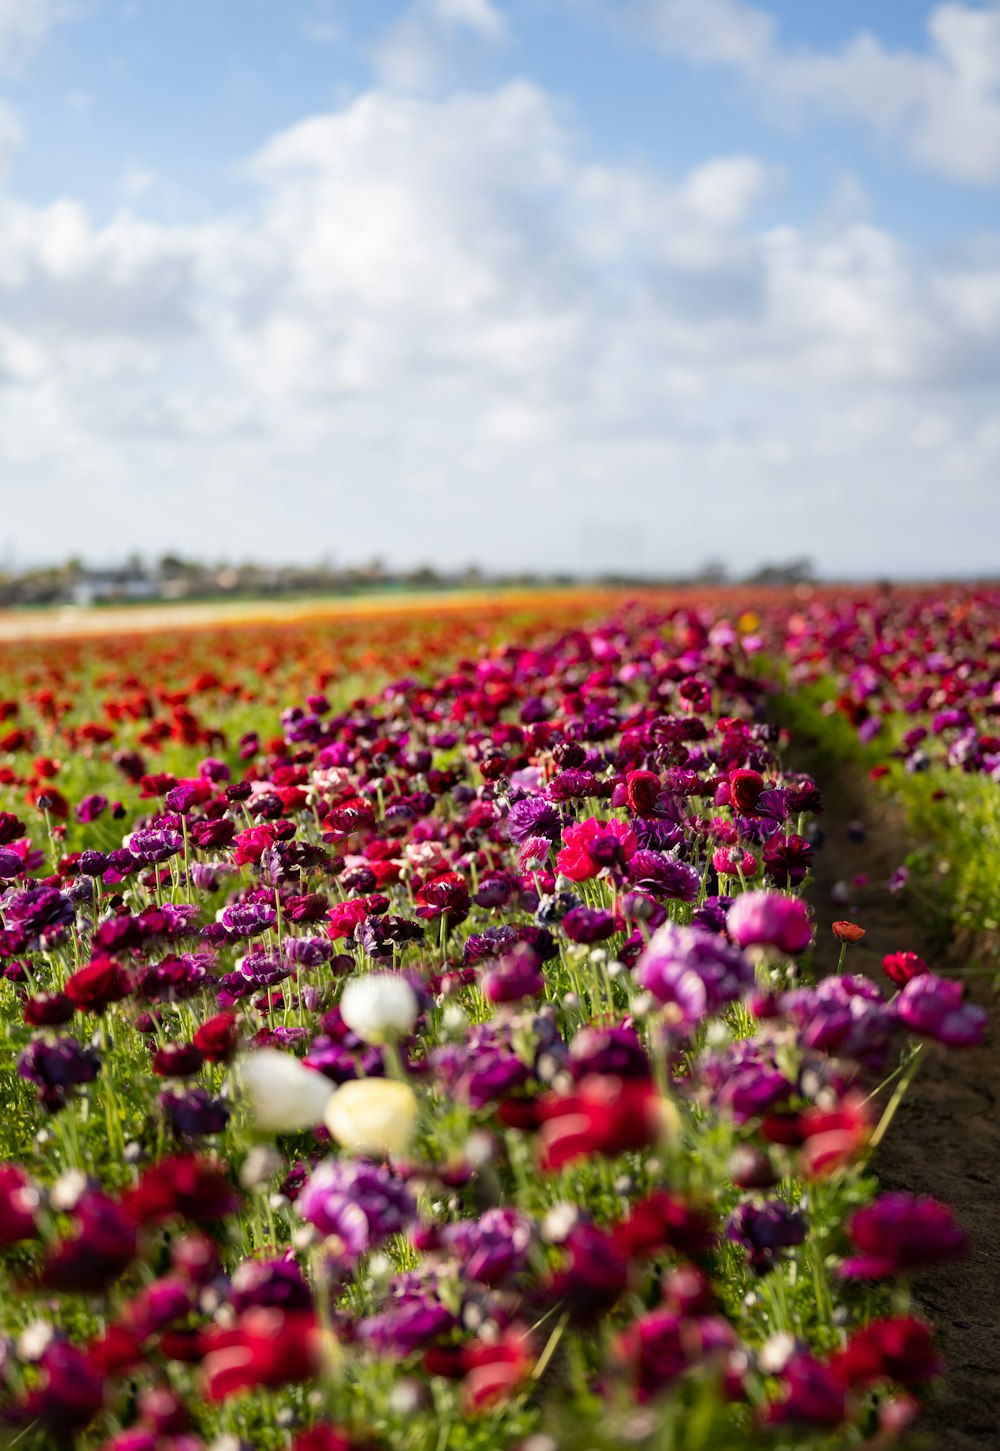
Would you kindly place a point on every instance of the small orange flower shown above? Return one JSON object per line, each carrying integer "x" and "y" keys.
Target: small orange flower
{"x": 848, "y": 931}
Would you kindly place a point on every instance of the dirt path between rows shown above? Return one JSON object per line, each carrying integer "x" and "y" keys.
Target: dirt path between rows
{"x": 945, "y": 1139}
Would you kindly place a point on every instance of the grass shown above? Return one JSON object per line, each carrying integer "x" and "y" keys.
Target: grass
{"x": 952, "y": 818}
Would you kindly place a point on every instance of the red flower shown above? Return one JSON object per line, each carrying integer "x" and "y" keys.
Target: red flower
{"x": 177, "y": 1060}
{"x": 184, "y": 1186}
{"x": 664, "y": 1221}
{"x": 745, "y": 789}
{"x": 100, "y": 982}
{"x": 497, "y": 1370}
{"x": 322, "y": 1438}
{"x": 593, "y": 844}
{"x": 848, "y": 931}
{"x": 47, "y": 798}
{"x": 265, "y": 1348}
{"x": 251, "y": 845}
{"x": 641, "y": 791}
{"x": 606, "y": 1115}
{"x": 216, "y": 1039}
{"x": 898, "y": 1349}
{"x": 446, "y": 896}
{"x": 901, "y": 967}
{"x": 18, "y": 1205}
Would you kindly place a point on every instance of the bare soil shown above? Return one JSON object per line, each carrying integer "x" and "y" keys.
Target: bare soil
{"x": 945, "y": 1139}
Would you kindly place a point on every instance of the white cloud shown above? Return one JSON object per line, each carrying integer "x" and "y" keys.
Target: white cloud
{"x": 446, "y": 331}
{"x": 11, "y": 134}
{"x": 24, "y": 24}
{"x": 435, "y": 40}
{"x": 709, "y": 30}
{"x": 941, "y": 105}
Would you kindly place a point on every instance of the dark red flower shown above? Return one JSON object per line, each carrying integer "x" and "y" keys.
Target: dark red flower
{"x": 217, "y": 1038}
{"x": 605, "y": 1115}
{"x": 745, "y": 789}
{"x": 265, "y": 1348}
{"x": 100, "y": 982}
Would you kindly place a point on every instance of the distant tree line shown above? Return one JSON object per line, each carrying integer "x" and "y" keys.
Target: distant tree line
{"x": 172, "y": 577}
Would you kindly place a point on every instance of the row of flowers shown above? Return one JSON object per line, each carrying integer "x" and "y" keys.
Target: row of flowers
{"x": 444, "y": 1069}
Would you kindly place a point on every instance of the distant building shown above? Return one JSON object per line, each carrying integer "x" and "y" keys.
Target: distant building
{"x": 108, "y": 586}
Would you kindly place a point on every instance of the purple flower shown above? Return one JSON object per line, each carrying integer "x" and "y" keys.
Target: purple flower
{"x": 264, "y": 969}
{"x": 665, "y": 875}
{"x": 533, "y": 817}
{"x": 308, "y": 951}
{"x": 273, "y": 1283}
{"x": 695, "y": 970}
{"x": 901, "y": 1233}
{"x": 193, "y": 1113}
{"x": 93, "y": 863}
{"x": 154, "y": 846}
{"x": 846, "y": 1016}
{"x": 516, "y": 975}
{"x": 412, "y": 1322}
{"x": 493, "y": 1247}
{"x": 932, "y": 1006}
{"x": 614, "y": 1051}
{"x": 767, "y": 919}
{"x": 588, "y": 924}
{"x": 711, "y": 915}
{"x": 40, "y": 912}
{"x": 91, "y": 807}
{"x": 248, "y": 919}
{"x": 204, "y": 876}
{"x": 764, "y": 1229}
{"x": 570, "y": 785}
{"x": 58, "y": 1066}
{"x": 359, "y": 1202}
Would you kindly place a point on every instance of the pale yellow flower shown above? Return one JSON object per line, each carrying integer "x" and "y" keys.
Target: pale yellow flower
{"x": 373, "y": 1116}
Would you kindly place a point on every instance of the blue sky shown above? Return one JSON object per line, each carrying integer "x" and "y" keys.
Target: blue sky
{"x": 565, "y": 283}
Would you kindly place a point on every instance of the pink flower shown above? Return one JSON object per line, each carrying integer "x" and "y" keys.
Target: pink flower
{"x": 594, "y": 844}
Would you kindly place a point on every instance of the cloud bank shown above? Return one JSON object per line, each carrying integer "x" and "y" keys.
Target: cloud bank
{"x": 442, "y": 329}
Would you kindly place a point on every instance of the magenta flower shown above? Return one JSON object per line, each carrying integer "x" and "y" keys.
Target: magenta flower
{"x": 767, "y": 919}
{"x": 932, "y": 1006}
{"x": 901, "y": 1233}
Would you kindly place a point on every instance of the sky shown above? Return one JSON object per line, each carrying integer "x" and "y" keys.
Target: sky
{"x": 575, "y": 285}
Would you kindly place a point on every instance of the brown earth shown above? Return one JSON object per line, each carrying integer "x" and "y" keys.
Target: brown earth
{"x": 945, "y": 1138}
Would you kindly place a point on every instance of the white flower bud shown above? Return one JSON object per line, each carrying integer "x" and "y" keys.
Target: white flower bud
{"x": 283, "y": 1095}
{"x": 379, "y": 1007}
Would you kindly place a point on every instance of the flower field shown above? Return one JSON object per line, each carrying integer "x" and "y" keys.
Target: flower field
{"x": 412, "y": 1035}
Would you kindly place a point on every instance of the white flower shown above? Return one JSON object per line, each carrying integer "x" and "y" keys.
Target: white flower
{"x": 283, "y": 1095}
{"x": 380, "y": 1006}
{"x": 372, "y": 1116}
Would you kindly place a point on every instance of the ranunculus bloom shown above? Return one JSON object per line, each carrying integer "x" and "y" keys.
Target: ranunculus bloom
{"x": 814, "y": 1396}
{"x": 265, "y": 1348}
{"x": 848, "y": 931}
{"x": 379, "y": 1007}
{"x": 901, "y": 1233}
{"x": 897, "y": 1348}
{"x": 358, "y": 1202}
{"x": 745, "y": 788}
{"x": 901, "y": 967}
{"x": 767, "y": 919}
{"x": 605, "y": 1115}
{"x": 372, "y": 1116}
{"x": 932, "y": 1006}
{"x": 641, "y": 790}
{"x": 593, "y": 844}
{"x": 283, "y": 1095}
{"x": 19, "y": 1205}
{"x": 218, "y": 1037}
